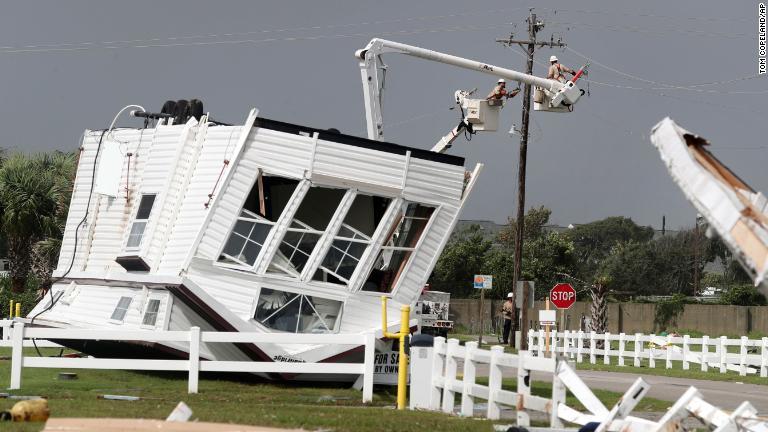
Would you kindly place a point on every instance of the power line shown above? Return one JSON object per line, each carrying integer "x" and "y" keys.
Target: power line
{"x": 246, "y": 33}
{"x": 652, "y": 31}
{"x": 646, "y": 15}
{"x": 483, "y": 27}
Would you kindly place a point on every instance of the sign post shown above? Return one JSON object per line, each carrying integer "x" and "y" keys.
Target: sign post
{"x": 482, "y": 282}
{"x": 563, "y": 296}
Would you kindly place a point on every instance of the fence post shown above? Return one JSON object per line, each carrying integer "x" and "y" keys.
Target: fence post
{"x": 704, "y": 353}
{"x": 743, "y": 356}
{"x": 369, "y": 359}
{"x": 467, "y": 400}
{"x": 580, "y": 347}
{"x": 607, "y": 349}
{"x": 651, "y": 343}
{"x": 530, "y": 339}
{"x": 449, "y": 399}
{"x": 523, "y": 389}
{"x": 622, "y": 346}
{"x": 194, "y": 359}
{"x": 494, "y": 383}
{"x": 540, "y": 339}
{"x": 558, "y": 397}
{"x": 764, "y": 358}
{"x": 567, "y": 343}
{"x": 638, "y": 350}
{"x": 686, "y": 351}
{"x": 723, "y": 349}
{"x": 439, "y": 369}
{"x": 17, "y": 355}
{"x": 668, "y": 356}
{"x": 592, "y": 348}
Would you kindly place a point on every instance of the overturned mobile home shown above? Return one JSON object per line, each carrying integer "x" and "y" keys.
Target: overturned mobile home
{"x": 263, "y": 227}
{"x": 735, "y": 212}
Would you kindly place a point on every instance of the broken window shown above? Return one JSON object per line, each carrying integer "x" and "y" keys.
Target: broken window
{"x": 296, "y": 313}
{"x": 310, "y": 221}
{"x": 262, "y": 208}
{"x": 352, "y": 239}
{"x": 150, "y": 313}
{"x": 121, "y": 309}
{"x": 397, "y": 250}
{"x": 140, "y": 223}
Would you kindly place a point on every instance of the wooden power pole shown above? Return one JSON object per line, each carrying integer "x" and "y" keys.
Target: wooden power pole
{"x": 533, "y": 27}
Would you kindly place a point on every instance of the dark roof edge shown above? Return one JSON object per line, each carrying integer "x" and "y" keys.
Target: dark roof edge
{"x": 358, "y": 141}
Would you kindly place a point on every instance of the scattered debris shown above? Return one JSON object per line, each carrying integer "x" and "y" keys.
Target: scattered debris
{"x": 181, "y": 413}
{"x": 20, "y": 397}
{"x": 33, "y": 410}
{"x": 125, "y": 397}
{"x": 330, "y": 398}
{"x": 67, "y": 376}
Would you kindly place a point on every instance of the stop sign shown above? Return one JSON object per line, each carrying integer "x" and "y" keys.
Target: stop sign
{"x": 563, "y": 296}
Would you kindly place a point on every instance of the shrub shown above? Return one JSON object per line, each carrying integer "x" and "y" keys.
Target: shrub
{"x": 744, "y": 295}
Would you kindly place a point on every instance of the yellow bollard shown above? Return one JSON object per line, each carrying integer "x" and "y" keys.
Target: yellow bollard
{"x": 10, "y": 313}
{"x": 18, "y": 309}
{"x": 402, "y": 370}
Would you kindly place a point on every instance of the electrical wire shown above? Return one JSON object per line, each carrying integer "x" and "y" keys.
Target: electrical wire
{"x": 54, "y": 300}
{"x": 246, "y": 33}
{"x": 94, "y": 46}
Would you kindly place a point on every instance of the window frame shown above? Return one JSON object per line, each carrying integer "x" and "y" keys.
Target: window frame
{"x": 260, "y": 257}
{"x": 306, "y": 293}
{"x": 134, "y": 219}
{"x": 145, "y": 309}
{"x": 374, "y": 252}
{"x": 127, "y": 309}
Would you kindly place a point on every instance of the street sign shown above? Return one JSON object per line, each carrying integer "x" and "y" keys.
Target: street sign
{"x": 483, "y": 282}
{"x": 562, "y": 295}
{"x": 547, "y": 317}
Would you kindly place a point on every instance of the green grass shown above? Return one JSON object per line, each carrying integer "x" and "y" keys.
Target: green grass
{"x": 241, "y": 399}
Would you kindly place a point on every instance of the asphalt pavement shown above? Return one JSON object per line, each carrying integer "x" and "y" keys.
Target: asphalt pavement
{"x": 723, "y": 394}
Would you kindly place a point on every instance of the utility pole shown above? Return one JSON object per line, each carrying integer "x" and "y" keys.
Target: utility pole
{"x": 696, "y": 259}
{"x": 533, "y": 27}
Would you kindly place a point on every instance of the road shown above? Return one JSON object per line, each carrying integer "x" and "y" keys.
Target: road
{"x": 726, "y": 395}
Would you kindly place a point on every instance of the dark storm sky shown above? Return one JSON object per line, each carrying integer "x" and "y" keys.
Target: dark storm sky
{"x": 67, "y": 66}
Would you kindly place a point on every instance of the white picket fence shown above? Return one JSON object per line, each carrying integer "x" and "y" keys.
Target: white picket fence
{"x": 6, "y": 327}
{"x": 194, "y": 365}
{"x": 752, "y": 355}
{"x": 434, "y": 381}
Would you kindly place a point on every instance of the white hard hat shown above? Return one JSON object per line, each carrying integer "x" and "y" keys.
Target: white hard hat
{"x": 501, "y": 81}
{"x": 552, "y": 58}
{"x": 510, "y": 295}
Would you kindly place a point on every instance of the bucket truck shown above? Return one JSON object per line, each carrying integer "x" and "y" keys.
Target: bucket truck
{"x": 477, "y": 114}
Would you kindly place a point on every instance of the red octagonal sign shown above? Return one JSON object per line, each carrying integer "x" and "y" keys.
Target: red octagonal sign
{"x": 563, "y": 296}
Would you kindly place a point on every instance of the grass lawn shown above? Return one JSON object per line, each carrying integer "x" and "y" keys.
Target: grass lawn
{"x": 238, "y": 399}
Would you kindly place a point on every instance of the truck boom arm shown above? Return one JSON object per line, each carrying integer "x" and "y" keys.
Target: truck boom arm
{"x": 371, "y": 64}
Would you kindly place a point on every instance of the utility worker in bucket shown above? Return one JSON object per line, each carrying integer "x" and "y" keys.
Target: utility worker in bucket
{"x": 500, "y": 91}
{"x": 508, "y": 313}
{"x": 557, "y": 71}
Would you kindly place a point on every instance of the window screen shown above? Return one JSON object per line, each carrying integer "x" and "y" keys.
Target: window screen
{"x": 150, "y": 314}
{"x": 121, "y": 309}
{"x": 140, "y": 223}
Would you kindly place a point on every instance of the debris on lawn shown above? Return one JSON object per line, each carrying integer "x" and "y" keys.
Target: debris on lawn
{"x": 67, "y": 376}
{"x": 330, "y": 398}
{"x": 20, "y": 397}
{"x": 181, "y": 413}
{"x": 125, "y": 397}
{"x": 33, "y": 410}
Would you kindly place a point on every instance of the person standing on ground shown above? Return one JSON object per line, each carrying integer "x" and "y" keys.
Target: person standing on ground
{"x": 508, "y": 313}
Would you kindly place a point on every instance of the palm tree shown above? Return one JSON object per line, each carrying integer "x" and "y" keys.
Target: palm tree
{"x": 32, "y": 192}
